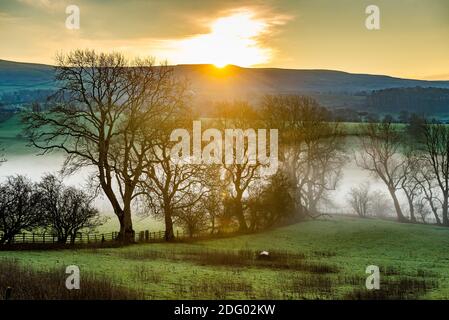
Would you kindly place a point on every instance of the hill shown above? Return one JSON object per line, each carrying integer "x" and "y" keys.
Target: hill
{"x": 323, "y": 259}
{"x": 209, "y": 83}
{"x": 24, "y": 76}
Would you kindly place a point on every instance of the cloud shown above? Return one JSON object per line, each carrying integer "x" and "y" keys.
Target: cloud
{"x": 238, "y": 36}
{"x": 43, "y": 4}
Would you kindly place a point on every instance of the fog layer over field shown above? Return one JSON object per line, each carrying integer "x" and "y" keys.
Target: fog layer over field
{"x": 34, "y": 166}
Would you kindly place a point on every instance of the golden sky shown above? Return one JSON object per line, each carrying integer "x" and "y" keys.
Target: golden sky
{"x": 413, "y": 40}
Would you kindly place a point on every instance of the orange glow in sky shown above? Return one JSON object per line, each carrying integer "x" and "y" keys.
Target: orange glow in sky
{"x": 232, "y": 39}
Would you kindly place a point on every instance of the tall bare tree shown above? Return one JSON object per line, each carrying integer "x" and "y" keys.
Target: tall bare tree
{"x": 381, "y": 155}
{"x": 102, "y": 116}
{"x": 436, "y": 157}
{"x": 410, "y": 184}
{"x": 239, "y": 174}
{"x": 429, "y": 190}
{"x": 167, "y": 186}
{"x": 311, "y": 147}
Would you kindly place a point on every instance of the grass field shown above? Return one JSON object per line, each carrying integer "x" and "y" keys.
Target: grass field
{"x": 323, "y": 259}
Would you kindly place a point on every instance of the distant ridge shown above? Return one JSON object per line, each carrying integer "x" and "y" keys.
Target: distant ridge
{"x": 232, "y": 82}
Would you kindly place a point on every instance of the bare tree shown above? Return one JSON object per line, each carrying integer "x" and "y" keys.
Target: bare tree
{"x": 381, "y": 143}
{"x": 102, "y": 117}
{"x": 429, "y": 190}
{"x": 381, "y": 204}
{"x": 311, "y": 147}
{"x": 436, "y": 157}
{"x": 66, "y": 210}
{"x": 19, "y": 210}
{"x": 359, "y": 199}
{"x": 192, "y": 218}
{"x": 241, "y": 172}
{"x": 167, "y": 185}
{"x": 422, "y": 210}
{"x": 271, "y": 203}
{"x": 410, "y": 184}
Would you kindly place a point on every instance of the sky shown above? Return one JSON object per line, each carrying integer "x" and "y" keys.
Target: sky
{"x": 412, "y": 42}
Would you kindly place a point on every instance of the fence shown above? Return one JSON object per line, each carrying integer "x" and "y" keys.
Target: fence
{"x": 84, "y": 238}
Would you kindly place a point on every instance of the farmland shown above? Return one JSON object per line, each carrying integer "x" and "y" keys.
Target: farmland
{"x": 323, "y": 259}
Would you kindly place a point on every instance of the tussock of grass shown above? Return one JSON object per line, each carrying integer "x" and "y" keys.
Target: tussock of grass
{"x": 240, "y": 259}
{"x": 146, "y": 274}
{"x": 28, "y": 284}
{"x": 216, "y": 288}
{"x": 402, "y": 288}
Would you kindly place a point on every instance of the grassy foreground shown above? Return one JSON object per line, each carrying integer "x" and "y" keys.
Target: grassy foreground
{"x": 323, "y": 259}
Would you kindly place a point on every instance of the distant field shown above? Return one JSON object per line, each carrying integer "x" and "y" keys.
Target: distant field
{"x": 318, "y": 259}
{"x": 11, "y": 137}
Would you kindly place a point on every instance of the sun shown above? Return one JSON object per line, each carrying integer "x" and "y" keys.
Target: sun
{"x": 233, "y": 39}
{"x": 220, "y": 65}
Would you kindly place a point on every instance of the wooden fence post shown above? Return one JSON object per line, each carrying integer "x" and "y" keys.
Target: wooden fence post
{"x": 8, "y": 293}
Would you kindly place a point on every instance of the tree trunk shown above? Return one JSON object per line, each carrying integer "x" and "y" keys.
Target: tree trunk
{"x": 169, "y": 233}
{"x": 240, "y": 217}
{"x": 212, "y": 225}
{"x": 445, "y": 210}
{"x": 126, "y": 234}
{"x": 62, "y": 239}
{"x": 411, "y": 208}
{"x": 397, "y": 206}
{"x": 434, "y": 211}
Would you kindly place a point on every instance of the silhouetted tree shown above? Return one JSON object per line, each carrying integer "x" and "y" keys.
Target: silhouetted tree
{"x": 66, "y": 210}
{"x": 381, "y": 155}
{"x": 359, "y": 199}
{"x": 310, "y": 148}
{"x": 271, "y": 203}
{"x": 192, "y": 218}
{"x": 102, "y": 116}
{"x": 167, "y": 185}
{"x": 240, "y": 174}
{"x": 436, "y": 157}
{"x": 19, "y": 207}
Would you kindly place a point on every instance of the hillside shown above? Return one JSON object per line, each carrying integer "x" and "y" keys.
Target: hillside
{"x": 323, "y": 259}
{"x": 208, "y": 83}
{"x": 24, "y": 76}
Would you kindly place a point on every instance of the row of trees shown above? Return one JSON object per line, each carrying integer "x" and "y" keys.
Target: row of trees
{"x": 414, "y": 162}
{"x": 116, "y": 116}
{"x": 48, "y": 205}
